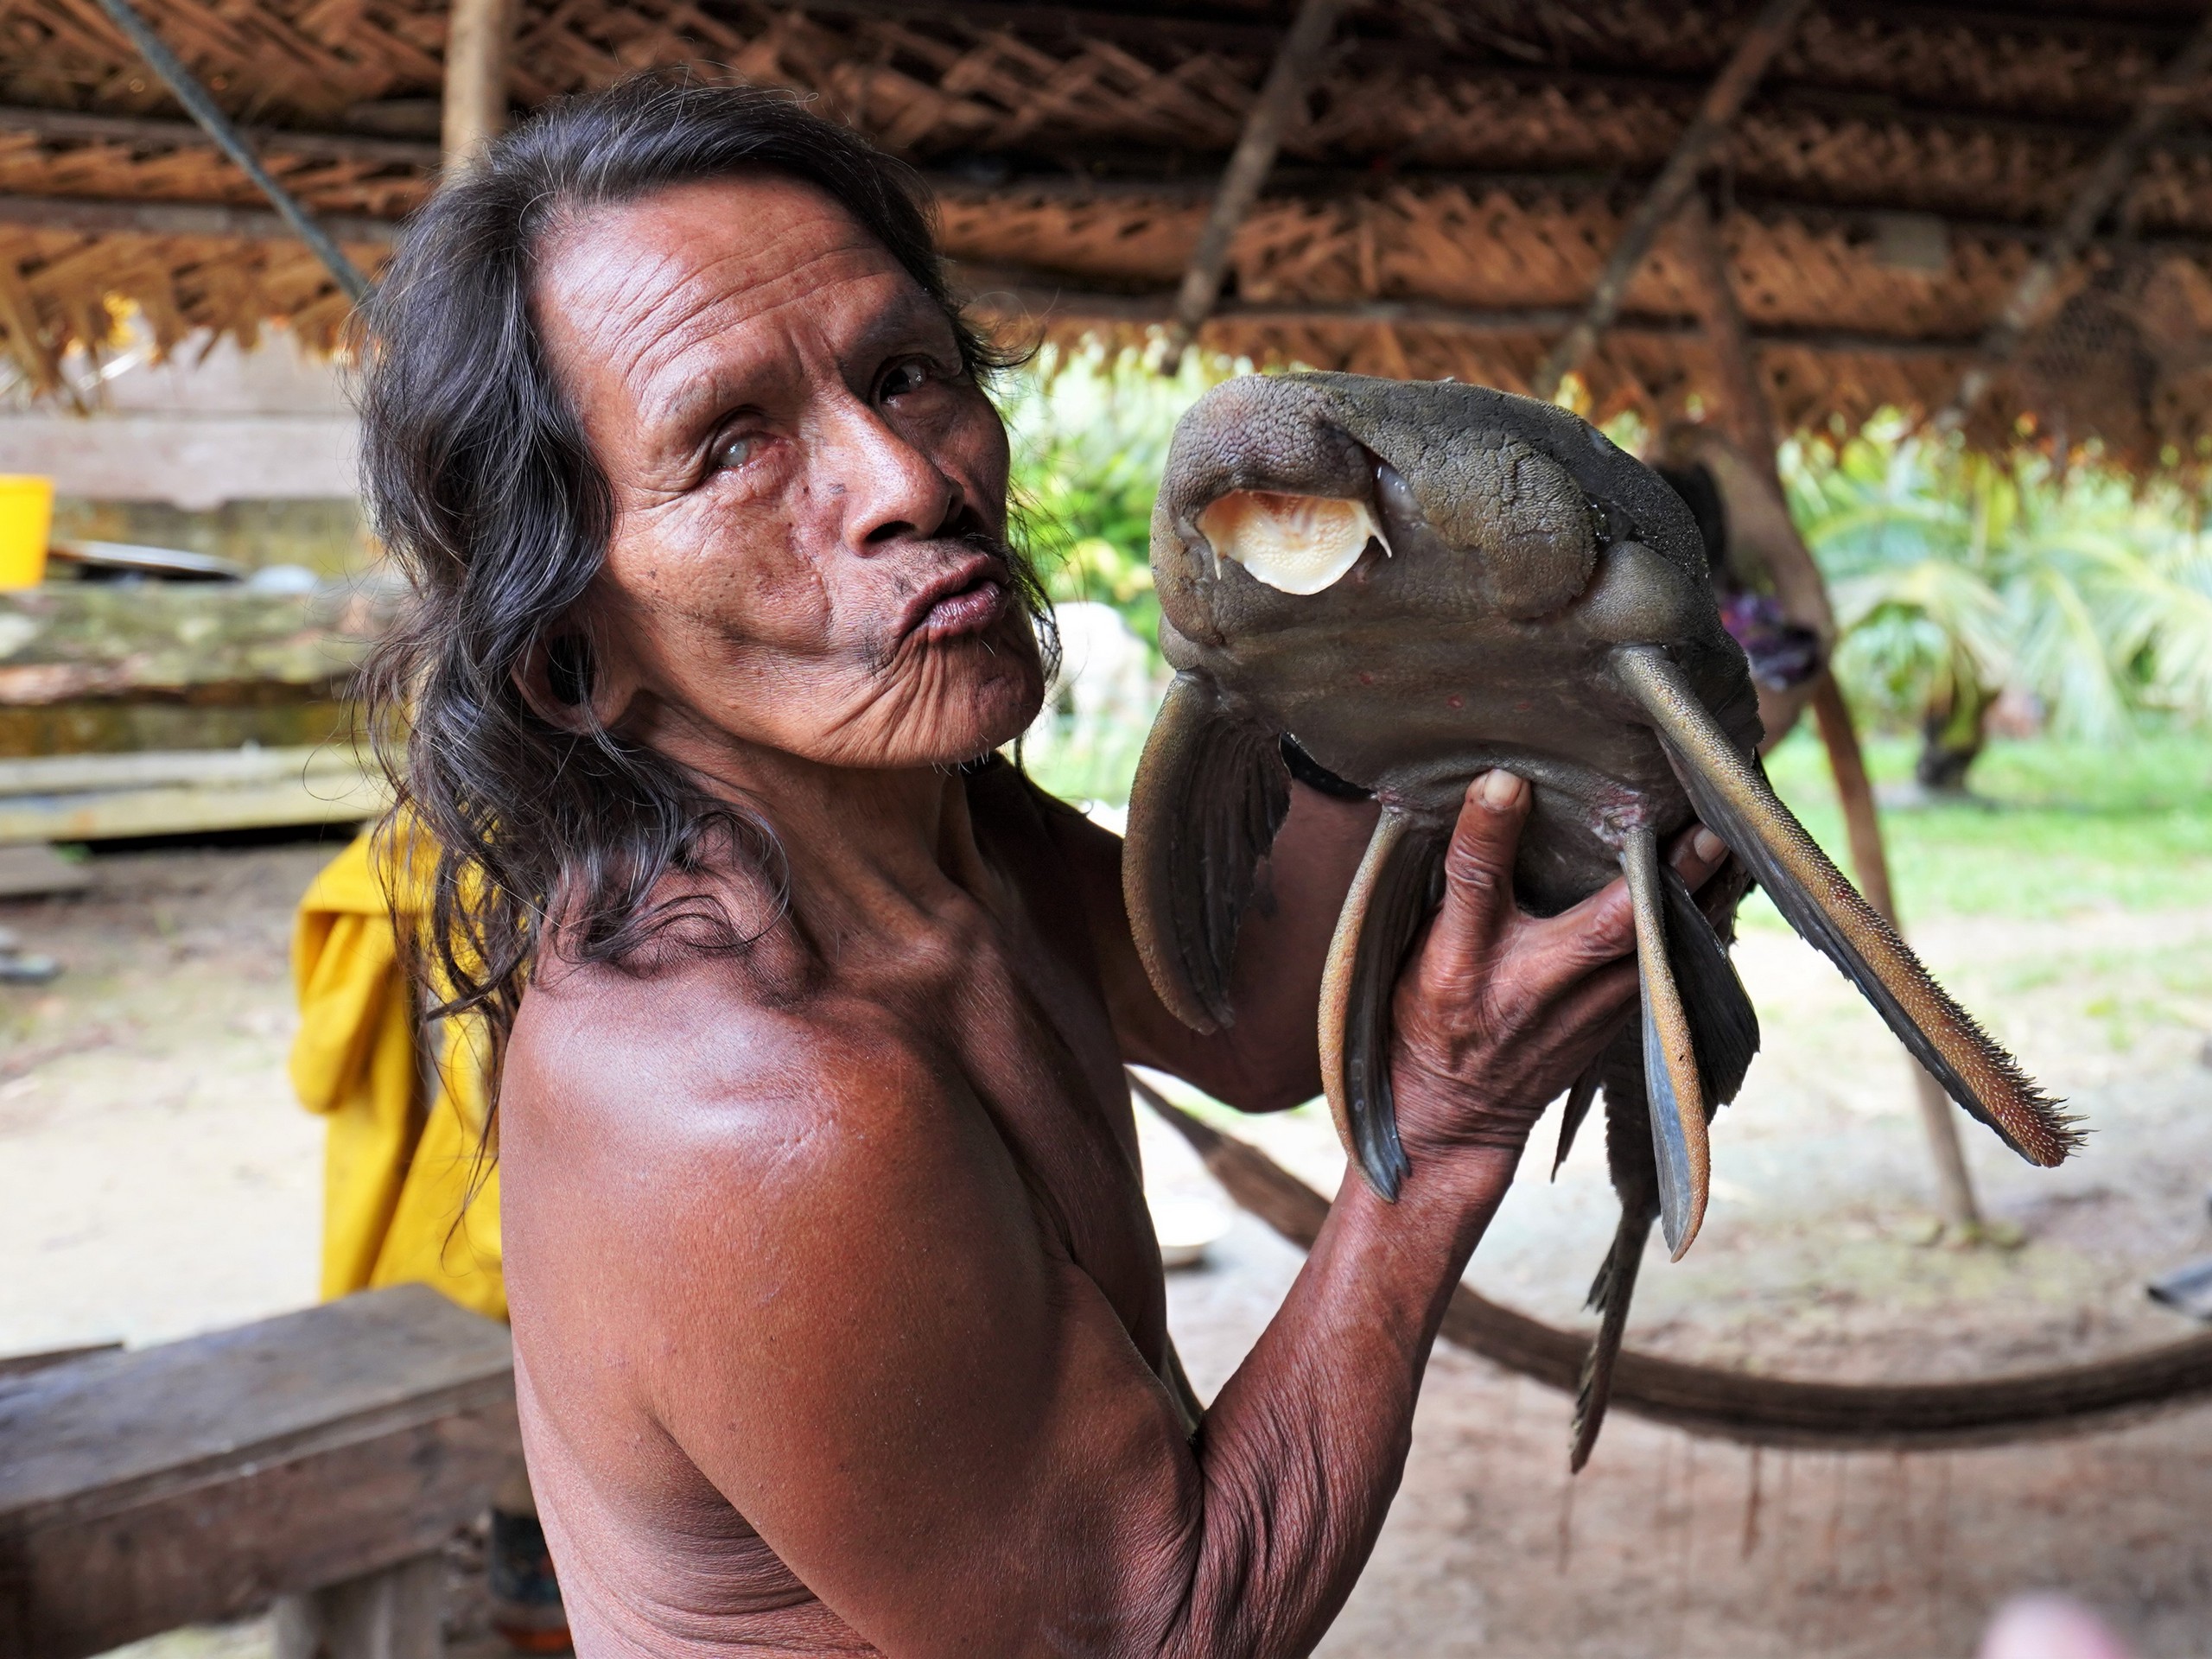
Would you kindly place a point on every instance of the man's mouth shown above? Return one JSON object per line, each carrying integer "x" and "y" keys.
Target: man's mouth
{"x": 963, "y": 600}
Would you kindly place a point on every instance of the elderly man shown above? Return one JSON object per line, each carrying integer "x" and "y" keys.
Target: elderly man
{"x": 839, "y": 1321}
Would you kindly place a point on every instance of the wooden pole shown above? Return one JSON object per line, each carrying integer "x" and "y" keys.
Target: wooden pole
{"x": 218, "y": 126}
{"x": 479, "y": 39}
{"x": 1747, "y": 418}
{"x": 1769, "y": 33}
{"x": 2172, "y": 91}
{"x": 1288, "y": 78}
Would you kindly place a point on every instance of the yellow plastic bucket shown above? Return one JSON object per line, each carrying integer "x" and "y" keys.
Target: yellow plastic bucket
{"x": 26, "y": 516}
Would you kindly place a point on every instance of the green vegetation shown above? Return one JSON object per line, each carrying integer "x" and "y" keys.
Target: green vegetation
{"x": 1956, "y": 577}
{"x": 2054, "y": 826}
{"x": 1089, "y": 433}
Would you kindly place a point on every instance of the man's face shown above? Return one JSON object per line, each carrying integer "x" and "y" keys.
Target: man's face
{"x": 810, "y": 495}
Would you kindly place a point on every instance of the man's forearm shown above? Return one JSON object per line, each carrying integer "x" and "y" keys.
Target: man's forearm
{"x": 1300, "y": 1456}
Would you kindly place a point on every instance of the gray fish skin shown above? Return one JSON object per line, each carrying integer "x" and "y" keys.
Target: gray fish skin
{"x": 1524, "y": 547}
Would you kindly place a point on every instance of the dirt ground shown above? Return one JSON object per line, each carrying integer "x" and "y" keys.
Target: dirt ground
{"x": 156, "y": 1179}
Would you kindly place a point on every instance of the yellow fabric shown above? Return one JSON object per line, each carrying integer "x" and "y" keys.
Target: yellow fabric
{"x": 397, "y": 1172}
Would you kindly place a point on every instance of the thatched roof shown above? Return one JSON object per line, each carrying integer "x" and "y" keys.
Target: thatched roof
{"x": 1443, "y": 205}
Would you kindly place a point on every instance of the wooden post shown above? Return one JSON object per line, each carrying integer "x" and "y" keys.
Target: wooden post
{"x": 480, "y": 37}
{"x": 399, "y": 1613}
{"x": 1769, "y": 33}
{"x": 1748, "y": 418}
{"x": 1288, "y": 77}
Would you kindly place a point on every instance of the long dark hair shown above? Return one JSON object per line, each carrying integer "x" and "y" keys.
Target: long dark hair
{"x": 485, "y": 493}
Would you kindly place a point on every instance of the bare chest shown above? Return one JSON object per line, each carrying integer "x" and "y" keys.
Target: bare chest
{"x": 1018, "y": 1015}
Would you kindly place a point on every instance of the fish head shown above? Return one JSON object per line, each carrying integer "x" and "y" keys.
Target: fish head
{"x": 1402, "y": 572}
{"x": 1289, "y": 498}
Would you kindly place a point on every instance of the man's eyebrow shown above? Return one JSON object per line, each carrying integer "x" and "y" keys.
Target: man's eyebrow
{"x": 696, "y": 397}
{"x": 914, "y": 314}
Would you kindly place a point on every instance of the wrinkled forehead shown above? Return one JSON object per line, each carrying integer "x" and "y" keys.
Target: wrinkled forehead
{"x": 676, "y": 293}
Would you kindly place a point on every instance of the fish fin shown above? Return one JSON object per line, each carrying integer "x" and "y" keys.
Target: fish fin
{"x": 1628, "y": 1152}
{"x": 1210, "y": 791}
{"x": 1390, "y": 897}
{"x": 1671, "y": 1081}
{"x": 1571, "y": 1114}
{"x": 1732, "y": 795}
{"x": 1724, "y": 1026}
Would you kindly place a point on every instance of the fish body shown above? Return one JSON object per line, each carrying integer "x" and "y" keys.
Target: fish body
{"x": 1404, "y": 584}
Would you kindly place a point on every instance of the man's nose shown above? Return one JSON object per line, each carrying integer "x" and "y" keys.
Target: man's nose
{"x": 893, "y": 489}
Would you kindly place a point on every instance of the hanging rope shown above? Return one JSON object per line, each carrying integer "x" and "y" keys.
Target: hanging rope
{"x": 1735, "y": 1405}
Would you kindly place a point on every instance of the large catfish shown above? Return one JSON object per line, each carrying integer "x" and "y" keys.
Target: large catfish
{"x": 1399, "y": 585}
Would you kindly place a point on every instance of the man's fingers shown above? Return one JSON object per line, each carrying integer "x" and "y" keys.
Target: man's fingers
{"x": 1478, "y": 873}
{"x": 1697, "y": 853}
{"x": 1598, "y": 930}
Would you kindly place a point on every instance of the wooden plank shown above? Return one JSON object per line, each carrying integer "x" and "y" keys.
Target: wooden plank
{"x": 72, "y": 640}
{"x": 24, "y": 1364}
{"x": 395, "y": 1614}
{"x": 200, "y": 1479}
{"x": 316, "y": 797}
{"x": 30, "y": 871}
{"x": 66, "y": 774}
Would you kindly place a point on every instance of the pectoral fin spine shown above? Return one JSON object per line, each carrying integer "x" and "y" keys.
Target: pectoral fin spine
{"x": 1679, "y": 1137}
{"x": 1734, "y": 797}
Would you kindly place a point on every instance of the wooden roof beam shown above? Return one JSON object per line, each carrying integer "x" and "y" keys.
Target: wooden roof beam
{"x": 1292, "y": 73}
{"x": 93, "y": 217}
{"x": 141, "y": 132}
{"x": 1036, "y": 294}
{"x": 1765, "y": 38}
{"x": 2155, "y": 109}
{"x": 204, "y": 110}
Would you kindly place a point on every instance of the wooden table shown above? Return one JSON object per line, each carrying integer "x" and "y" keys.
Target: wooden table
{"x": 322, "y": 1457}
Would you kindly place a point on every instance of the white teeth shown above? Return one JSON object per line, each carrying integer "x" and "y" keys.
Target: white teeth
{"x": 1294, "y": 543}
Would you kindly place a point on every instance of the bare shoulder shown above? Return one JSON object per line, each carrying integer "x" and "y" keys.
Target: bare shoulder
{"x": 664, "y": 1096}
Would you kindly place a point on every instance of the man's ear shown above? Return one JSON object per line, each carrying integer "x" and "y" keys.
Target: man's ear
{"x": 570, "y": 680}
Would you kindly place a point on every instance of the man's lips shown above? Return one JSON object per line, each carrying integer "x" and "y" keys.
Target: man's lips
{"x": 965, "y": 600}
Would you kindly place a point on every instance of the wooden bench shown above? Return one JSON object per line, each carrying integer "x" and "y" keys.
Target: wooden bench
{"x": 318, "y": 1461}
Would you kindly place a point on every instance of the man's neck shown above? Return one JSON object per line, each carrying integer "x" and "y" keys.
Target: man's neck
{"x": 850, "y": 834}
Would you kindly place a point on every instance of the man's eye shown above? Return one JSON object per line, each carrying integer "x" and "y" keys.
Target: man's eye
{"x": 905, "y": 377}
{"x": 733, "y": 452}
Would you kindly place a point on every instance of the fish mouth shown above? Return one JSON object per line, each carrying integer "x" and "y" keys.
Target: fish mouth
{"x": 964, "y": 600}
{"x": 1296, "y": 542}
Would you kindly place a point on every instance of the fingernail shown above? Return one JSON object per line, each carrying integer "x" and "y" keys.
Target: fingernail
{"x": 1499, "y": 789}
{"x": 1707, "y": 846}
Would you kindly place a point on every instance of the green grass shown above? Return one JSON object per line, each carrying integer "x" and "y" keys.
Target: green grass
{"x": 2054, "y": 826}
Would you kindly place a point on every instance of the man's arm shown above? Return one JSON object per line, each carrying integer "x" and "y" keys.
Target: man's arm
{"x": 856, "y": 1330}
{"x": 1270, "y": 1058}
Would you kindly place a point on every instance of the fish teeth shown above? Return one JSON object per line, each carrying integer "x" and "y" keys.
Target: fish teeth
{"x": 1294, "y": 543}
